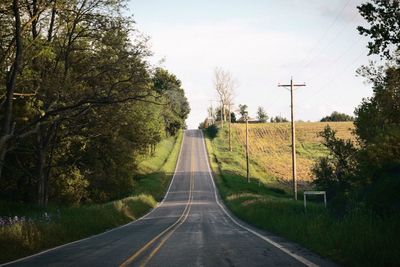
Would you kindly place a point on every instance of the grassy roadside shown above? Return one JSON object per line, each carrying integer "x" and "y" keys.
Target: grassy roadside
{"x": 359, "y": 239}
{"x": 57, "y": 226}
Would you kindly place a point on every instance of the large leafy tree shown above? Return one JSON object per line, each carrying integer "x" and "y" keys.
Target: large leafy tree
{"x": 73, "y": 80}
{"x": 377, "y": 122}
{"x": 176, "y": 106}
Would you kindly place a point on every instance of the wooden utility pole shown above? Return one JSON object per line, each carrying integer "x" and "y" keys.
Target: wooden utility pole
{"x": 230, "y": 121}
{"x": 247, "y": 148}
{"x": 211, "y": 111}
{"x": 292, "y": 87}
{"x": 222, "y": 117}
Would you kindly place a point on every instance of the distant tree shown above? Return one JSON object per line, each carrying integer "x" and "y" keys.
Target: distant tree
{"x": 262, "y": 115}
{"x": 279, "y": 119}
{"x": 336, "y": 116}
{"x": 225, "y": 85}
{"x": 218, "y": 114}
{"x": 233, "y": 117}
{"x": 243, "y": 111}
{"x": 212, "y": 131}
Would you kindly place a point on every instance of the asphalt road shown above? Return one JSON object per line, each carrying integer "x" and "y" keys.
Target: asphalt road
{"x": 189, "y": 228}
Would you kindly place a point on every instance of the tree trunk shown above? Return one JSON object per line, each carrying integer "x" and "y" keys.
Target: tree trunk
{"x": 7, "y": 131}
{"x": 223, "y": 112}
{"x": 41, "y": 163}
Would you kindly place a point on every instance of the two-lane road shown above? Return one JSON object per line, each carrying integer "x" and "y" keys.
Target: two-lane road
{"x": 189, "y": 228}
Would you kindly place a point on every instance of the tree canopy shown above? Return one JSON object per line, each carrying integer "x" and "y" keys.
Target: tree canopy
{"x": 368, "y": 171}
{"x": 79, "y": 102}
{"x": 337, "y": 116}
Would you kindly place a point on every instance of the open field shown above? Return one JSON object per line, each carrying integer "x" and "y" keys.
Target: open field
{"x": 356, "y": 239}
{"x": 34, "y": 229}
{"x": 270, "y": 145}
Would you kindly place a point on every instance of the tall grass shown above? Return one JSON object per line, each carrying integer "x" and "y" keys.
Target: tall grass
{"x": 358, "y": 239}
{"x": 54, "y": 226}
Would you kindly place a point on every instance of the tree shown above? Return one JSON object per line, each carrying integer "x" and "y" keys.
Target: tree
{"x": 383, "y": 17}
{"x": 336, "y": 116}
{"x": 372, "y": 167}
{"x": 243, "y": 110}
{"x": 262, "y": 115}
{"x": 233, "y": 117}
{"x": 377, "y": 123}
{"x": 218, "y": 114}
{"x": 225, "y": 85}
{"x": 337, "y": 172}
{"x": 78, "y": 101}
{"x": 176, "y": 104}
{"x": 279, "y": 119}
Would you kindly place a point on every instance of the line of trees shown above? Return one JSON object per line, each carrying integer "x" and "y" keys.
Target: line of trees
{"x": 79, "y": 102}
{"x": 337, "y": 116}
{"x": 366, "y": 172}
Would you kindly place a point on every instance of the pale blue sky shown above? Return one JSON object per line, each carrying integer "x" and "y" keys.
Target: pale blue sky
{"x": 262, "y": 43}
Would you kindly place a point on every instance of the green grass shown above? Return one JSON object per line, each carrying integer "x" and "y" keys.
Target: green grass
{"x": 156, "y": 172}
{"x": 73, "y": 223}
{"x": 359, "y": 239}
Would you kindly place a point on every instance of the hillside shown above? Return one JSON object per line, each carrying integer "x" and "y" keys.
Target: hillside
{"x": 270, "y": 146}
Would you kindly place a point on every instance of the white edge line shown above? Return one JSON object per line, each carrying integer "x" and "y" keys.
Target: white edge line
{"x": 275, "y": 244}
{"x": 108, "y": 231}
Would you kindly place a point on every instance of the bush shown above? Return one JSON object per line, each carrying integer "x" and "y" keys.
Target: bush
{"x": 212, "y": 131}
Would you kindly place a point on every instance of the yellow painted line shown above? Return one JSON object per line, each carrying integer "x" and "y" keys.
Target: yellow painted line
{"x": 176, "y": 223}
{"x": 156, "y": 249}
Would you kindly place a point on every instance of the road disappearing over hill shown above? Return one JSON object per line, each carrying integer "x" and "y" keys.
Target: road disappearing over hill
{"x": 190, "y": 227}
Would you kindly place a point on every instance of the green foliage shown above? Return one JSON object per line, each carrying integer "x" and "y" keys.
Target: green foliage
{"x": 370, "y": 173}
{"x": 93, "y": 107}
{"x": 383, "y": 17}
{"x": 212, "y": 131}
{"x": 243, "y": 111}
{"x": 279, "y": 119}
{"x": 336, "y": 116}
{"x": 70, "y": 186}
{"x": 233, "y": 117}
{"x": 261, "y": 115}
{"x": 218, "y": 115}
{"x": 177, "y": 106}
{"x": 378, "y": 129}
{"x": 337, "y": 172}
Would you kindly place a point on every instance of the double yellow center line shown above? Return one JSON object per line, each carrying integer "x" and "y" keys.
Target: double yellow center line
{"x": 167, "y": 233}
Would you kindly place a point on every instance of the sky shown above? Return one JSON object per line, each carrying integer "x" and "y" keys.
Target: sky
{"x": 262, "y": 43}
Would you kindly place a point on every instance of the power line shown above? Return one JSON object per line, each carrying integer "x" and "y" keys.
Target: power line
{"x": 322, "y": 38}
{"x": 337, "y": 59}
{"x": 335, "y": 76}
